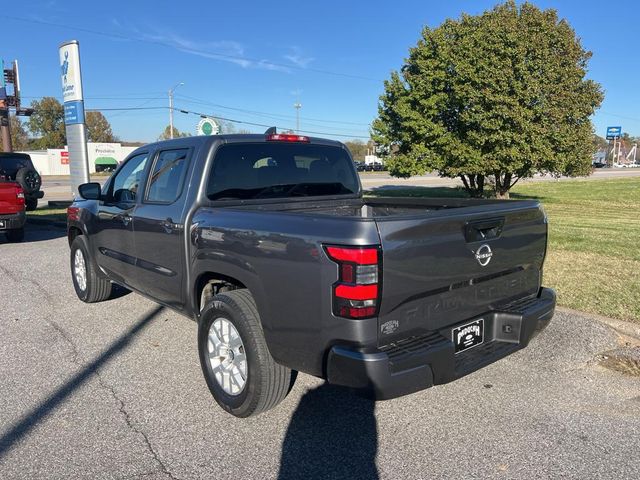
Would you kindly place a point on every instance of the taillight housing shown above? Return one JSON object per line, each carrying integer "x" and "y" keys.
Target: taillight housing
{"x": 286, "y": 137}
{"x": 357, "y": 292}
{"x": 19, "y": 195}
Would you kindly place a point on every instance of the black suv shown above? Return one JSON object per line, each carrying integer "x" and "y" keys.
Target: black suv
{"x": 17, "y": 167}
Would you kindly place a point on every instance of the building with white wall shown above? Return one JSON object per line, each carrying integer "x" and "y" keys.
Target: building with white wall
{"x": 102, "y": 156}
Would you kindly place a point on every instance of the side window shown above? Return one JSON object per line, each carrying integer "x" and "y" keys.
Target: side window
{"x": 165, "y": 180}
{"x": 128, "y": 180}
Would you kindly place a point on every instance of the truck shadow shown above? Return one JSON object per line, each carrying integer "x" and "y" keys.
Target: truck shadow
{"x": 332, "y": 434}
{"x": 37, "y": 233}
{"x": 38, "y": 414}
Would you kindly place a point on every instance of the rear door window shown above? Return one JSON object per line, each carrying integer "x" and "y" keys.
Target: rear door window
{"x": 167, "y": 175}
{"x": 280, "y": 170}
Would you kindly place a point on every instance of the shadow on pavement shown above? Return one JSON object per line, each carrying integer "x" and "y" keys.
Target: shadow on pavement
{"x": 39, "y": 413}
{"x": 37, "y": 233}
{"x": 332, "y": 434}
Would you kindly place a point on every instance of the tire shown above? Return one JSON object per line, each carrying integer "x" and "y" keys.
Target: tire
{"x": 29, "y": 180}
{"x": 266, "y": 383}
{"x": 15, "y": 235}
{"x": 30, "y": 203}
{"x": 90, "y": 286}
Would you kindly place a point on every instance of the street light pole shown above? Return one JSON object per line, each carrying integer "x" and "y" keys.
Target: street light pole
{"x": 171, "y": 90}
{"x": 297, "y": 106}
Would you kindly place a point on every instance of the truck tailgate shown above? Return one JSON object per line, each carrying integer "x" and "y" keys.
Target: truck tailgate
{"x": 448, "y": 266}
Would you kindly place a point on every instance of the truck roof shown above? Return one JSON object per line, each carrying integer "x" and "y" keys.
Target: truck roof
{"x": 209, "y": 140}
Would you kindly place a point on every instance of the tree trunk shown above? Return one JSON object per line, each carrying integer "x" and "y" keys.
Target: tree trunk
{"x": 503, "y": 184}
{"x": 474, "y": 185}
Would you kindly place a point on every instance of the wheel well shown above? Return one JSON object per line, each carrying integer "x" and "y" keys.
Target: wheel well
{"x": 73, "y": 233}
{"x": 210, "y": 284}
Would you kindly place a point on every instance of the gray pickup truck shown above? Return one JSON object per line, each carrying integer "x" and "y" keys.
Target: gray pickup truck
{"x": 268, "y": 243}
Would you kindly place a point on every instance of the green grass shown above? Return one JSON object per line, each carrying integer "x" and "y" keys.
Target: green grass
{"x": 48, "y": 214}
{"x": 593, "y": 260}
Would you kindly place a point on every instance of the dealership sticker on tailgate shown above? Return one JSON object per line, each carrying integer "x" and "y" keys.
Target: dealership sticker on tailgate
{"x": 1, "y": 223}
{"x": 469, "y": 335}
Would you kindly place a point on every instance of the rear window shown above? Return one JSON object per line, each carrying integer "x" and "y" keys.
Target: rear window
{"x": 13, "y": 164}
{"x": 280, "y": 170}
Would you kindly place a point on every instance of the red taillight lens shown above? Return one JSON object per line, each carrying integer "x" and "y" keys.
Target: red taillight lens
{"x": 287, "y": 137}
{"x": 19, "y": 195}
{"x": 72, "y": 213}
{"x": 356, "y": 294}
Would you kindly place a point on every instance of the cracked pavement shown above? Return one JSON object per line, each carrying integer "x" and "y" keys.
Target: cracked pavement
{"x": 114, "y": 390}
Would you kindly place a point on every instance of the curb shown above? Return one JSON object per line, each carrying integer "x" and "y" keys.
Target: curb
{"x": 620, "y": 326}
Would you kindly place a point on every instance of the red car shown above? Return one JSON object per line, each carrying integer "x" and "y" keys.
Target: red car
{"x": 12, "y": 216}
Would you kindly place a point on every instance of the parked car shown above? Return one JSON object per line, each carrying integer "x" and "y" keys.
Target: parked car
{"x": 378, "y": 167}
{"x": 359, "y": 166}
{"x": 12, "y": 216}
{"x": 17, "y": 167}
{"x": 286, "y": 267}
{"x": 599, "y": 164}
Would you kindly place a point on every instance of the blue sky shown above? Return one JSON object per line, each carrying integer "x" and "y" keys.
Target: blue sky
{"x": 332, "y": 56}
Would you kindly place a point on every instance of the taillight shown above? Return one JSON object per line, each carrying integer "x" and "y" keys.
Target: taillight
{"x": 287, "y": 137}
{"x": 356, "y": 294}
{"x": 19, "y": 195}
{"x": 72, "y": 213}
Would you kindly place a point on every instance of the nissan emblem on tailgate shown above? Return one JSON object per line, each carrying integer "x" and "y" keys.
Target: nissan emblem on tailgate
{"x": 484, "y": 254}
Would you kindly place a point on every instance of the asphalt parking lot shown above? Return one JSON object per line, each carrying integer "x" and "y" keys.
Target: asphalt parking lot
{"x": 114, "y": 390}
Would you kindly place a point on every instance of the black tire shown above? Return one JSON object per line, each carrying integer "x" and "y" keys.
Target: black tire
{"x": 267, "y": 382}
{"x": 29, "y": 180}
{"x": 96, "y": 288}
{"x": 30, "y": 203}
{"x": 15, "y": 235}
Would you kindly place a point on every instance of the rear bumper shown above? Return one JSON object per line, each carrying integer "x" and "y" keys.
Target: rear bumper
{"x": 420, "y": 362}
{"x": 12, "y": 221}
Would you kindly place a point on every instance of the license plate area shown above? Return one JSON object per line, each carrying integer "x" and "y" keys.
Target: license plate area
{"x": 467, "y": 336}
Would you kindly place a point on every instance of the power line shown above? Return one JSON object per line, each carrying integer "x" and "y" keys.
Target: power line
{"x": 192, "y": 50}
{"x": 204, "y": 102}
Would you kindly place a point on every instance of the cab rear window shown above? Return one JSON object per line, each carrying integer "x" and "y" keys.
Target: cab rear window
{"x": 280, "y": 170}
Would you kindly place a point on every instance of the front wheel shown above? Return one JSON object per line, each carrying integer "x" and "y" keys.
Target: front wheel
{"x": 89, "y": 286}
{"x": 240, "y": 372}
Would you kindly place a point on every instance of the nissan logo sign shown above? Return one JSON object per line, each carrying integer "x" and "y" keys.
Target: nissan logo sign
{"x": 483, "y": 255}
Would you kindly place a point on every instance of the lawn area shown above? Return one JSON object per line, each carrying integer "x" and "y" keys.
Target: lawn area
{"x": 48, "y": 214}
{"x": 593, "y": 260}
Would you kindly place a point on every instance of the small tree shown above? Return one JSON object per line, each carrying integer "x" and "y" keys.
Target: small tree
{"x": 166, "y": 134}
{"x": 47, "y": 123}
{"x": 19, "y": 137}
{"x": 99, "y": 128}
{"x": 500, "y": 95}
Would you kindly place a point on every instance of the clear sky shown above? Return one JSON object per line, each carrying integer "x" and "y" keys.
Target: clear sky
{"x": 252, "y": 61}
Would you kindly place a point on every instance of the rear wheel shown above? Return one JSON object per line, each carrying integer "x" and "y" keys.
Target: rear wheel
{"x": 88, "y": 284}
{"x": 16, "y": 235}
{"x": 240, "y": 372}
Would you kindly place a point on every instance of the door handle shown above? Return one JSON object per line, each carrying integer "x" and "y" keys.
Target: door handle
{"x": 168, "y": 225}
{"x": 124, "y": 218}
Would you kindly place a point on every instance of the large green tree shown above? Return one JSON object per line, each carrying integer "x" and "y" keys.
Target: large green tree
{"x": 47, "y": 123}
{"x": 500, "y": 95}
{"x": 98, "y": 128}
{"x": 19, "y": 137}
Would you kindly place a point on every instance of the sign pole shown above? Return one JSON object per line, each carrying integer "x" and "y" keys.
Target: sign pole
{"x": 73, "y": 99}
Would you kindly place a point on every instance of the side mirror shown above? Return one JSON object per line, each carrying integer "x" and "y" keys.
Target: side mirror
{"x": 90, "y": 191}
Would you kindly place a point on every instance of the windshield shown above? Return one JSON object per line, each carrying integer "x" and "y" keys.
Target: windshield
{"x": 280, "y": 170}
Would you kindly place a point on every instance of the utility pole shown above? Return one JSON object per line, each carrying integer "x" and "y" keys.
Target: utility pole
{"x": 171, "y": 90}
{"x": 297, "y": 106}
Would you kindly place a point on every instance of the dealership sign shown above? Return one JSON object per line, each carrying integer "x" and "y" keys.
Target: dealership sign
{"x": 614, "y": 132}
{"x": 71, "y": 79}
{"x": 207, "y": 126}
